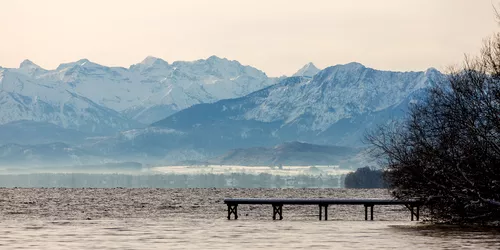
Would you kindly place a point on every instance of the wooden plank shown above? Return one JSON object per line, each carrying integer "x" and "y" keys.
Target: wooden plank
{"x": 318, "y": 201}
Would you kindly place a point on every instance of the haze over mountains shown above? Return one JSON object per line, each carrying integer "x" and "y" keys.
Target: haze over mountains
{"x": 291, "y": 154}
{"x": 159, "y": 112}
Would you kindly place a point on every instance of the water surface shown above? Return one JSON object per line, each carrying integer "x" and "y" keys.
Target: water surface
{"x": 195, "y": 219}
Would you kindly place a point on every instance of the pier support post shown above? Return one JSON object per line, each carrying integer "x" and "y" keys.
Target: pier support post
{"x": 411, "y": 211}
{"x": 418, "y": 213}
{"x": 326, "y": 212}
{"x": 321, "y": 210}
{"x": 415, "y": 213}
{"x": 277, "y": 210}
{"x": 232, "y": 209}
{"x": 366, "y": 211}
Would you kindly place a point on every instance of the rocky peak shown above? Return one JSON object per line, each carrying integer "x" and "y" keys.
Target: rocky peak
{"x": 309, "y": 70}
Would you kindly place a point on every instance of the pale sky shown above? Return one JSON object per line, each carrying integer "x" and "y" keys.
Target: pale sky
{"x": 276, "y": 36}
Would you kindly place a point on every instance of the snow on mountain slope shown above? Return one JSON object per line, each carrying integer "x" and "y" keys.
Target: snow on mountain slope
{"x": 22, "y": 98}
{"x": 336, "y": 106}
{"x": 181, "y": 84}
{"x": 333, "y": 106}
{"x": 148, "y": 91}
{"x": 145, "y": 92}
{"x": 337, "y": 92}
{"x": 112, "y": 87}
{"x": 308, "y": 70}
{"x": 29, "y": 68}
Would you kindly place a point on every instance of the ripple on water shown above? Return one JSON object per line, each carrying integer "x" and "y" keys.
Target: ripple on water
{"x": 141, "y": 219}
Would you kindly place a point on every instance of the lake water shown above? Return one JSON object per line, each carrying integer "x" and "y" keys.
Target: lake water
{"x": 196, "y": 219}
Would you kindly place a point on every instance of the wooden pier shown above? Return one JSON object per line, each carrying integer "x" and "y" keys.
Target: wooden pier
{"x": 323, "y": 203}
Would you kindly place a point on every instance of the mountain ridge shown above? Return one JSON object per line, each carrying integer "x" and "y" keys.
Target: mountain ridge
{"x": 148, "y": 91}
{"x": 207, "y": 107}
{"x": 334, "y": 107}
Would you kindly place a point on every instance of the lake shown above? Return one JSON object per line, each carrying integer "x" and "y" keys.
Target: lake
{"x": 117, "y": 218}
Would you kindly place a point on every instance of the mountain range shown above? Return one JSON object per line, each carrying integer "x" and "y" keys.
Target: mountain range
{"x": 144, "y": 93}
{"x": 335, "y": 107}
{"x": 158, "y": 112}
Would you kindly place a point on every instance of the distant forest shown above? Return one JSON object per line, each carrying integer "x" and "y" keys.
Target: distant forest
{"x": 365, "y": 178}
{"x": 234, "y": 180}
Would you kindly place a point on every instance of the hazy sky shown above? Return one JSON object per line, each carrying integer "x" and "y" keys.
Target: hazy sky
{"x": 277, "y": 36}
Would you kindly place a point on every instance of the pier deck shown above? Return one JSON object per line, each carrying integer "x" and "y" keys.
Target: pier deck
{"x": 323, "y": 203}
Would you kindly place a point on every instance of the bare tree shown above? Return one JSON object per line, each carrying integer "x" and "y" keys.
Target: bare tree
{"x": 447, "y": 151}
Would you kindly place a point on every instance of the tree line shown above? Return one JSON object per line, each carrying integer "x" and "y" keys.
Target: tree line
{"x": 365, "y": 177}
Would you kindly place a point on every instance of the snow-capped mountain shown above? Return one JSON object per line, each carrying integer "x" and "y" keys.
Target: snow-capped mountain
{"x": 211, "y": 105}
{"x": 176, "y": 86}
{"x": 148, "y": 91}
{"x": 336, "y": 93}
{"x": 89, "y": 97}
{"x": 29, "y": 68}
{"x": 309, "y": 70}
{"x": 334, "y": 107}
{"x": 25, "y": 98}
